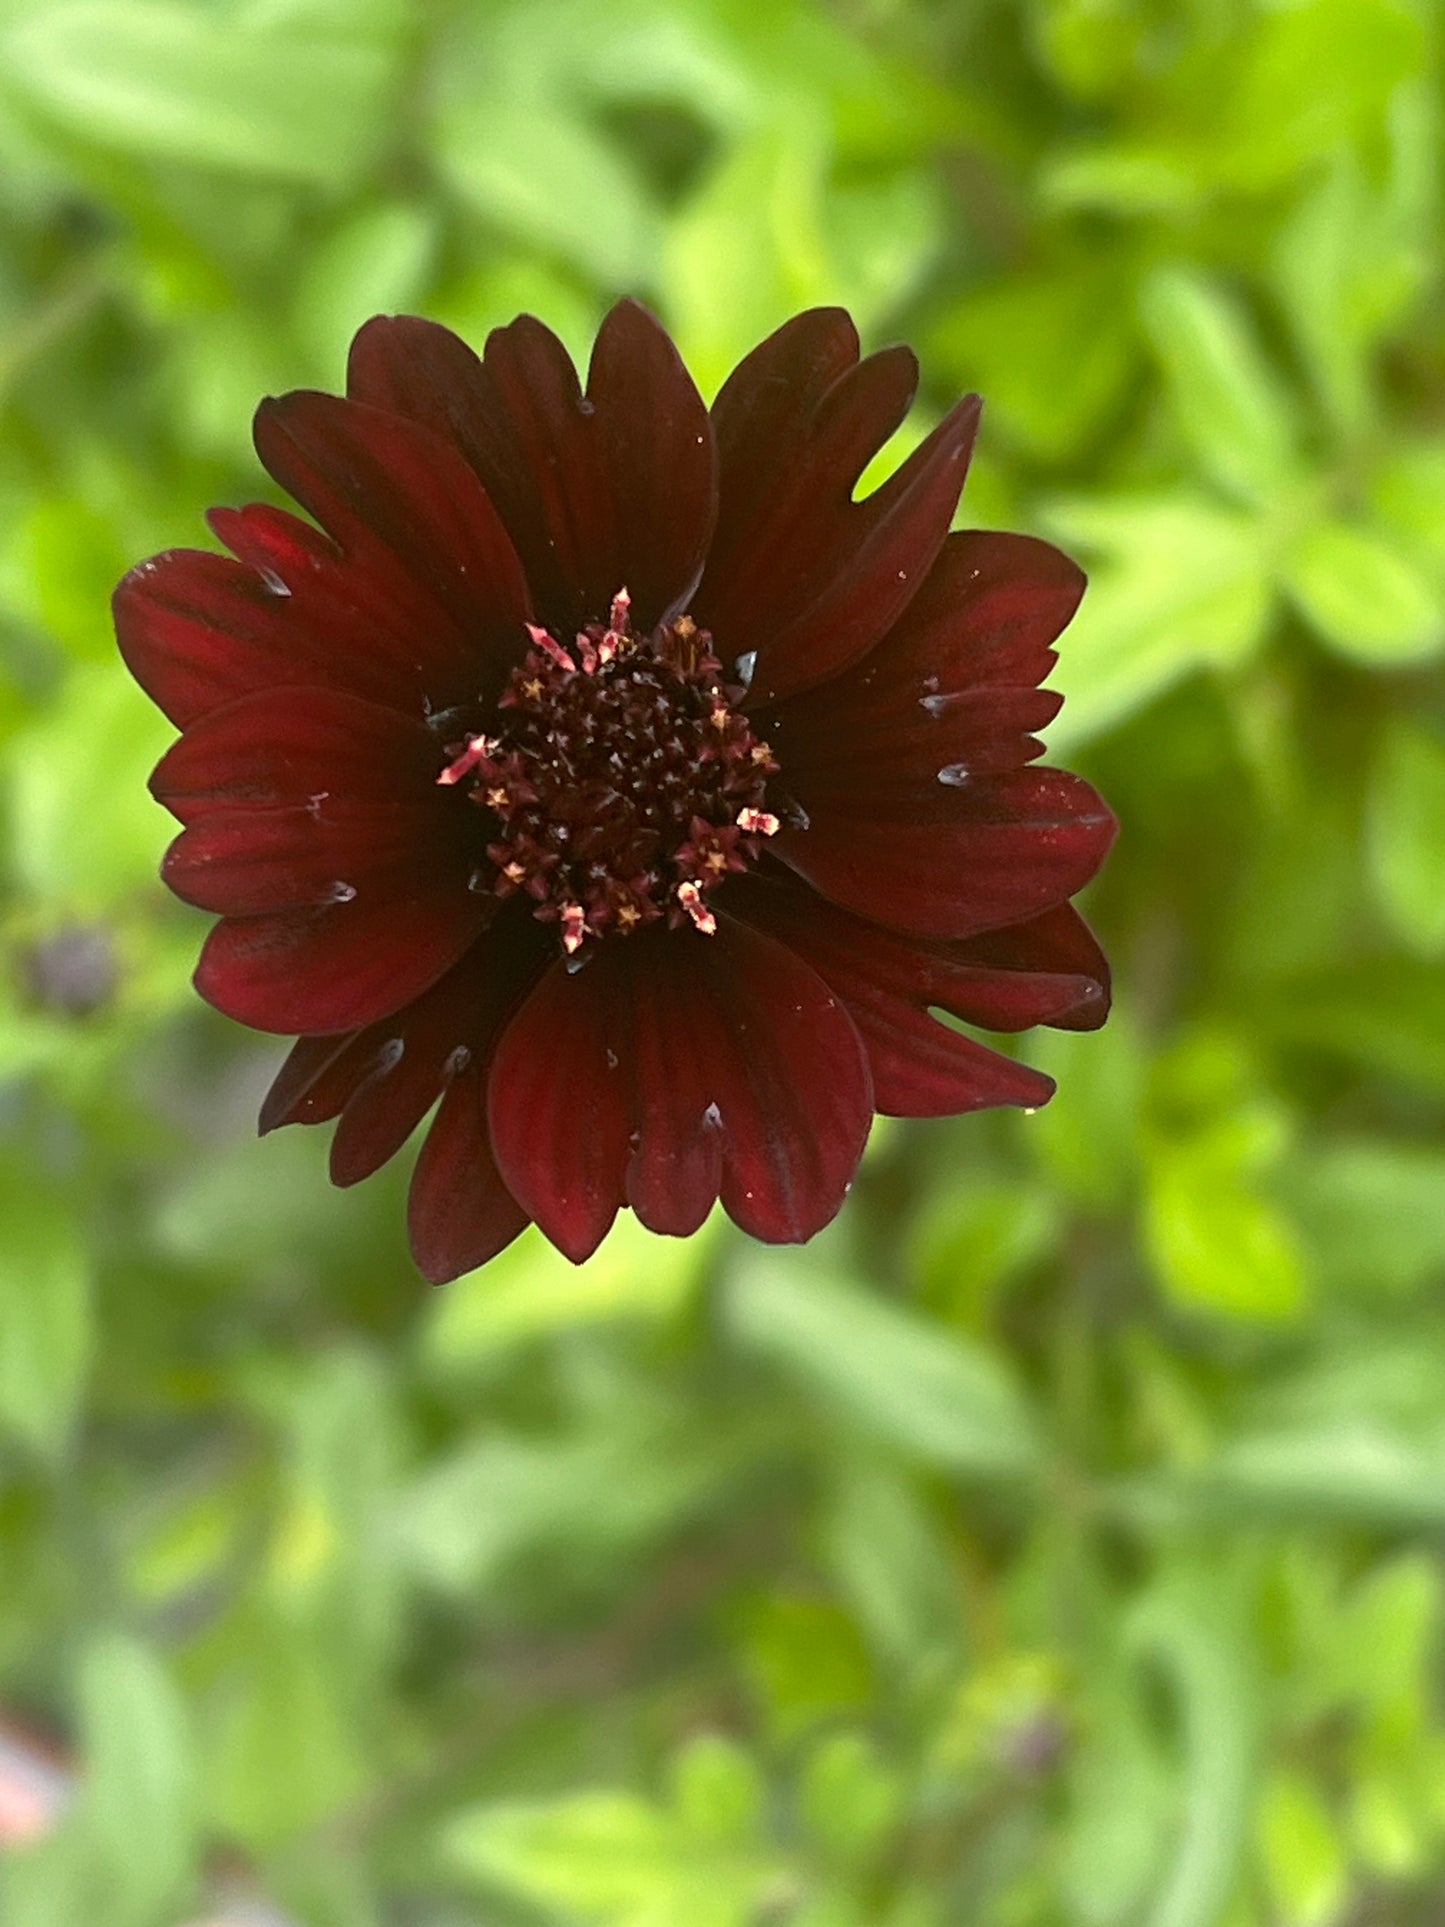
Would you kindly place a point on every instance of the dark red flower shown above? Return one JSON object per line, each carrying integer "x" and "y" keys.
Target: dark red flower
{"x": 597, "y": 764}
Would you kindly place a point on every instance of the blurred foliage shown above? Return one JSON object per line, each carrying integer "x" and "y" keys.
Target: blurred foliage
{"x": 1053, "y": 1544}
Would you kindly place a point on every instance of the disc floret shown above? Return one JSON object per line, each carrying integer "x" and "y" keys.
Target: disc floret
{"x": 624, "y": 780}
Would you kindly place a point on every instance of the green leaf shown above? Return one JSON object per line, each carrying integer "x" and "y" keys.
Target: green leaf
{"x": 545, "y": 177}
{"x": 1372, "y": 1213}
{"x": 979, "y": 1238}
{"x": 1360, "y": 589}
{"x": 1407, "y": 494}
{"x": 1185, "y": 586}
{"x": 1339, "y": 1467}
{"x": 1192, "y": 1629}
{"x": 764, "y": 203}
{"x": 476, "y": 1512}
{"x": 1304, "y": 1861}
{"x": 600, "y": 1855}
{"x": 891, "y": 1558}
{"x": 140, "y": 1790}
{"x": 1315, "y": 75}
{"x": 880, "y": 1366}
{"x": 1215, "y": 1242}
{"x": 164, "y": 82}
{"x": 66, "y": 558}
{"x": 606, "y": 1857}
{"x": 531, "y": 1291}
{"x": 46, "y": 1329}
{"x": 1405, "y": 837}
{"x": 1388, "y": 1014}
{"x": 805, "y": 1662}
{"x": 376, "y": 262}
{"x": 849, "y": 1799}
{"x": 84, "y": 831}
{"x": 1230, "y": 406}
{"x": 1346, "y": 270}
{"x": 718, "y": 1793}
{"x": 287, "y": 1752}
{"x": 1050, "y": 352}
{"x": 1119, "y": 1820}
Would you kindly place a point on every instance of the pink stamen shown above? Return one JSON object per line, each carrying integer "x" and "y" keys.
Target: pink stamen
{"x": 690, "y": 897}
{"x": 758, "y": 823}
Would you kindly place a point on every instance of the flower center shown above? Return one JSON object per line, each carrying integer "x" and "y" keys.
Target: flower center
{"x": 624, "y": 780}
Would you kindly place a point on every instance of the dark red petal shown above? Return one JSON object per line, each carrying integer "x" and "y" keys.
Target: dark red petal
{"x": 994, "y": 850}
{"x": 333, "y": 969}
{"x": 1013, "y": 965}
{"x": 296, "y": 747}
{"x": 610, "y": 489}
{"x": 952, "y": 684}
{"x": 890, "y": 982}
{"x": 459, "y": 1212}
{"x": 301, "y": 798}
{"x": 674, "y": 1068}
{"x": 318, "y": 1076}
{"x": 405, "y": 1062}
{"x": 199, "y": 630}
{"x": 403, "y": 504}
{"x": 557, "y": 1105}
{"x": 800, "y": 574}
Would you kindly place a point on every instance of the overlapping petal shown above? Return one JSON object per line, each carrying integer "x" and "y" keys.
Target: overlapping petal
{"x": 801, "y": 576}
{"x": 1045, "y": 973}
{"x": 952, "y": 686}
{"x": 410, "y": 593}
{"x": 991, "y": 851}
{"x": 696, "y": 1068}
{"x": 314, "y": 823}
{"x": 608, "y": 489}
{"x": 382, "y": 1081}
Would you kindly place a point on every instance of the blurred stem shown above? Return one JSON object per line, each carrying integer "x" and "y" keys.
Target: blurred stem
{"x": 71, "y": 303}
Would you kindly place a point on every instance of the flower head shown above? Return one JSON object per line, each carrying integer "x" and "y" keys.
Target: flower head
{"x": 596, "y": 764}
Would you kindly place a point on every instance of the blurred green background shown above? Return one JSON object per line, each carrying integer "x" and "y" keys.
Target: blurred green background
{"x": 1056, "y": 1542}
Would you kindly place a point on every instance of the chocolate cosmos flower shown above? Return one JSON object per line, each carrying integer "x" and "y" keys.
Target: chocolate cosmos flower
{"x": 597, "y": 764}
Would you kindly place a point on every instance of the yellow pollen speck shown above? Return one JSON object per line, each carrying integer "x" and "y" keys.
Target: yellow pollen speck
{"x": 497, "y": 799}
{"x": 684, "y": 628}
{"x": 762, "y": 753}
{"x": 514, "y": 872}
{"x": 532, "y": 689}
{"x": 628, "y": 914}
{"x": 716, "y": 861}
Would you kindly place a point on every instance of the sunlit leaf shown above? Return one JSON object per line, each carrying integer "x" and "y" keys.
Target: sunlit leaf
{"x": 1364, "y": 595}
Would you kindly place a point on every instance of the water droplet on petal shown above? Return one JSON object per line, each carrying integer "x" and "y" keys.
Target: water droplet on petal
{"x": 712, "y": 1117}
{"x": 274, "y": 583}
{"x": 955, "y": 775}
{"x": 341, "y": 893}
{"x": 936, "y": 705}
{"x": 390, "y": 1055}
{"x": 457, "y": 1062}
{"x": 744, "y": 667}
{"x": 612, "y": 1060}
